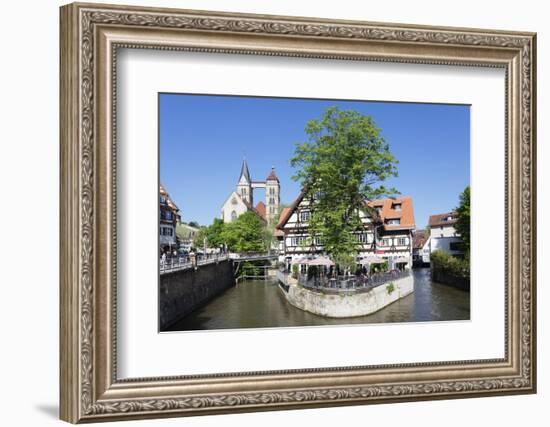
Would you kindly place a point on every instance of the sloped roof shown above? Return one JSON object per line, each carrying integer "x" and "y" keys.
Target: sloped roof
{"x": 287, "y": 212}
{"x": 419, "y": 239}
{"x": 387, "y": 211}
{"x": 260, "y": 209}
{"x": 272, "y": 176}
{"x": 169, "y": 201}
{"x": 244, "y": 172}
{"x": 442, "y": 219}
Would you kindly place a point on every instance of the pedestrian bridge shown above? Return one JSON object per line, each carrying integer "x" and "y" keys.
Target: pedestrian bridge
{"x": 195, "y": 261}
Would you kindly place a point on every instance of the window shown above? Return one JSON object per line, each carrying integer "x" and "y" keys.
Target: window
{"x": 396, "y": 206}
{"x": 384, "y": 242}
{"x": 455, "y": 246}
{"x": 318, "y": 241}
{"x": 401, "y": 241}
{"x": 304, "y": 216}
{"x": 166, "y": 231}
{"x": 298, "y": 241}
{"x": 162, "y": 199}
{"x": 271, "y": 200}
{"x": 395, "y": 221}
{"x": 233, "y": 215}
{"x": 362, "y": 238}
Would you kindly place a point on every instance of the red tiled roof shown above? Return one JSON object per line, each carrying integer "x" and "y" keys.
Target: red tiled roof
{"x": 169, "y": 200}
{"x": 439, "y": 220}
{"x": 272, "y": 176}
{"x": 287, "y": 212}
{"x": 388, "y": 211}
{"x": 419, "y": 239}
{"x": 260, "y": 209}
{"x": 405, "y": 215}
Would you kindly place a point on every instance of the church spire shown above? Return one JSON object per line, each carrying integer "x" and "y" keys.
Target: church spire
{"x": 244, "y": 173}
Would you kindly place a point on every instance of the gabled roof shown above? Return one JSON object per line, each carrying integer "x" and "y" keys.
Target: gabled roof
{"x": 244, "y": 172}
{"x": 419, "y": 239}
{"x": 238, "y": 197}
{"x": 387, "y": 211}
{"x": 272, "y": 176}
{"x": 260, "y": 209}
{"x": 441, "y": 220}
{"x": 287, "y": 212}
{"x": 169, "y": 200}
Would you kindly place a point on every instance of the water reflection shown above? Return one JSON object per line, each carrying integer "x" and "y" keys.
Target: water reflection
{"x": 259, "y": 304}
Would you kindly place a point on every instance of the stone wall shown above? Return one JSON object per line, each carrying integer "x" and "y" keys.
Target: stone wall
{"x": 446, "y": 278}
{"x": 183, "y": 291}
{"x": 350, "y": 305}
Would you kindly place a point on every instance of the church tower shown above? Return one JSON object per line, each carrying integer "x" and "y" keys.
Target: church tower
{"x": 244, "y": 185}
{"x": 272, "y": 197}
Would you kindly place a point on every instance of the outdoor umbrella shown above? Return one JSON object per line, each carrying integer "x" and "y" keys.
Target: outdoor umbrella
{"x": 372, "y": 260}
{"x": 322, "y": 260}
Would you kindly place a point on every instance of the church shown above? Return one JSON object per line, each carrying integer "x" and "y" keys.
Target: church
{"x": 241, "y": 200}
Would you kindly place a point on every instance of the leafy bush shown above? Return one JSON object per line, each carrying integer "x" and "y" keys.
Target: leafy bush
{"x": 390, "y": 288}
{"x": 375, "y": 268}
{"x": 442, "y": 262}
{"x": 250, "y": 269}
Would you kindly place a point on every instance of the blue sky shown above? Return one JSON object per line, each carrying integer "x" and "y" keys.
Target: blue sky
{"x": 204, "y": 138}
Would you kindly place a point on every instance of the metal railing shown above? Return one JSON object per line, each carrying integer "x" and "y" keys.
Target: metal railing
{"x": 251, "y": 256}
{"x": 184, "y": 262}
{"x": 361, "y": 283}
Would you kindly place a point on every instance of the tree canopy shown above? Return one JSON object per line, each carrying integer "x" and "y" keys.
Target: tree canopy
{"x": 212, "y": 234}
{"x": 463, "y": 221}
{"x": 245, "y": 234}
{"x": 340, "y": 166}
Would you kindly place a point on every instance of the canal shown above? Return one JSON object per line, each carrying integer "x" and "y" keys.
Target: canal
{"x": 259, "y": 304}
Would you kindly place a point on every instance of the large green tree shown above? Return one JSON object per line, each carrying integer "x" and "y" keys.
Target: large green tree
{"x": 341, "y": 165}
{"x": 463, "y": 221}
{"x": 211, "y": 234}
{"x": 245, "y": 234}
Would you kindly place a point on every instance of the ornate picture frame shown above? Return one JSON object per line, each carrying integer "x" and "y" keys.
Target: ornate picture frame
{"x": 90, "y": 37}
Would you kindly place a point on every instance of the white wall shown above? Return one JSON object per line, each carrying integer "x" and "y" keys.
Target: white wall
{"x": 29, "y": 169}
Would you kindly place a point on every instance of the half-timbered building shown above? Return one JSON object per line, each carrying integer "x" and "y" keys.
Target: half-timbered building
{"x": 387, "y": 232}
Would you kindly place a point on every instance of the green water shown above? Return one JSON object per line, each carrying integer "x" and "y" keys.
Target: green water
{"x": 260, "y": 304}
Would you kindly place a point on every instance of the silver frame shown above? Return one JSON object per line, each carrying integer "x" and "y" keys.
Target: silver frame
{"x": 90, "y": 37}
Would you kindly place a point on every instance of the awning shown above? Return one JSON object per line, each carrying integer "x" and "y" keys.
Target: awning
{"x": 322, "y": 260}
{"x": 372, "y": 260}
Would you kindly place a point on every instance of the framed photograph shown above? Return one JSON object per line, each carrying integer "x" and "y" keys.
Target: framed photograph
{"x": 267, "y": 212}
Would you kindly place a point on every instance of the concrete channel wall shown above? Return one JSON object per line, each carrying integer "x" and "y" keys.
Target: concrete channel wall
{"x": 183, "y": 291}
{"x": 348, "y": 305}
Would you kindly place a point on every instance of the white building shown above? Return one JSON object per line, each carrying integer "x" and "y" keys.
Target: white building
{"x": 443, "y": 235}
{"x": 241, "y": 200}
{"x": 421, "y": 248}
{"x": 387, "y": 232}
{"x": 169, "y": 214}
